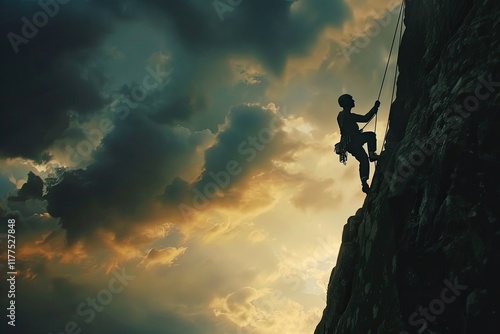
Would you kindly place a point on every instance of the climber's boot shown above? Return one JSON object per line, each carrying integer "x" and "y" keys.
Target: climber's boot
{"x": 364, "y": 185}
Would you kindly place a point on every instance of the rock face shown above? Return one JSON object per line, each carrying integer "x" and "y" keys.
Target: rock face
{"x": 422, "y": 255}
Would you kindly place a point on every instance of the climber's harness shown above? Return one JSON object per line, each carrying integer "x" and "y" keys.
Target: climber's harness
{"x": 341, "y": 147}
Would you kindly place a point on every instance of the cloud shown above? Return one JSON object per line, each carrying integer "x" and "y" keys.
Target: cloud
{"x": 246, "y": 149}
{"x": 122, "y": 208}
{"x": 251, "y": 136}
{"x": 258, "y": 236}
{"x": 238, "y": 306}
{"x": 42, "y": 239}
{"x": 262, "y": 311}
{"x": 58, "y": 298}
{"x": 278, "y": 30}
{"x": 66, "y": 56}
{"x": 51, "y": 75}
{"x": 165, "y": 256}
{"x": 32, "y": 189}
{"x": 117, "y": 192}
{"x": 317, "y": 195}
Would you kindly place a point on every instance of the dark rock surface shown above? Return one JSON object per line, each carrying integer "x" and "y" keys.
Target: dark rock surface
{"x": 423, "y": 253}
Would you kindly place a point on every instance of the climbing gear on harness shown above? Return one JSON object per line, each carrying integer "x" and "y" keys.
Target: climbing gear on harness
{"x": 341, "y": 147}
{"x": 341, "y": 150}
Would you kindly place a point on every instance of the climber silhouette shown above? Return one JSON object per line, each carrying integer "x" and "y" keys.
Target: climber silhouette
{"x": 355, "y": 138}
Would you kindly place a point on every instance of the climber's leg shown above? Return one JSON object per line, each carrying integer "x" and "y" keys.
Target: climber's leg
{"x": 364, "y": 166}
{"x": 371, "y": 140}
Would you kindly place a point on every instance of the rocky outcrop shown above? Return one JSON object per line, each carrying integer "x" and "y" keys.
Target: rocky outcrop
{"x": 422, "y": 254}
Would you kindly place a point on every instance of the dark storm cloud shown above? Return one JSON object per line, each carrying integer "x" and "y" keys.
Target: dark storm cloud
{"x": 53, "y": 68}
{"x": 32, "y": 189}
{"x": 27, "y": 208}
{"x": 268, "y": 29}
{"x": 177, "y": 99}
{"x": 131, "y": 167}
{"x": 52, "y": 74}
{"x": 58, "y": 71}
{"x": 249, "y": 138}
{"x": 248, "y": 143}
{"x": 55, "y": 300}
{"x": 49, "y": 74}
{"x": 58, "y": 300}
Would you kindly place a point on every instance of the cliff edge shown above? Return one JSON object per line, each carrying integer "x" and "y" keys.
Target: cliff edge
{"x": 422, "y": 254}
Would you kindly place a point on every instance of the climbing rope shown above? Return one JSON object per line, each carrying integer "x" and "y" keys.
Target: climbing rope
{"x": 341, "y": 150}
{"x": 388, "y": 61}
{"x": 393, "y": 86}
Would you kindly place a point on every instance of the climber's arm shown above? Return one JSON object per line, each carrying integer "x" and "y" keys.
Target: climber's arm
{"x": 368, "y": 116}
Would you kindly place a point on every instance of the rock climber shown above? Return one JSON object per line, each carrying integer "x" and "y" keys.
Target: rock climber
{"x": 354, "y": 138}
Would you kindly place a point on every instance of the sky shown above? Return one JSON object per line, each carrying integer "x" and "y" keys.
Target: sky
{"x": 170, "y": 164}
